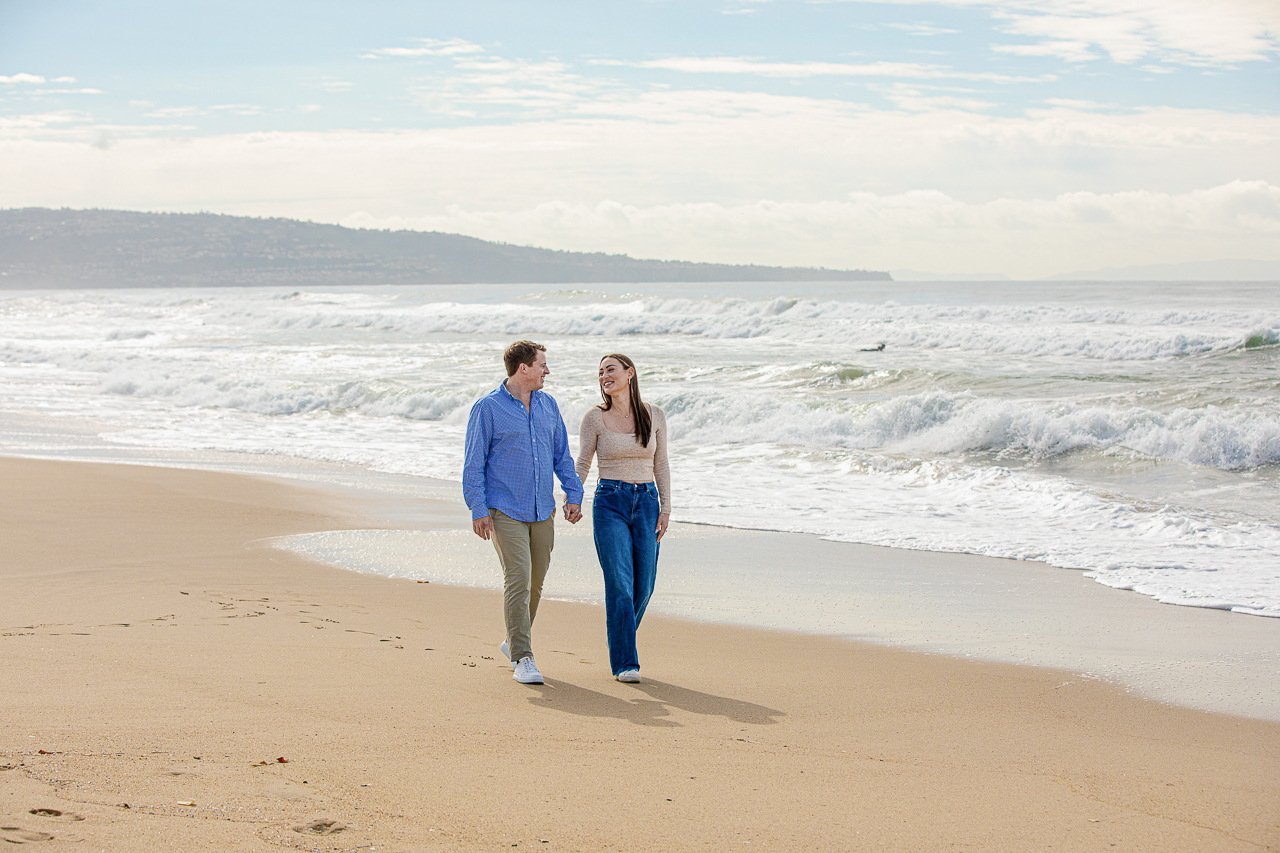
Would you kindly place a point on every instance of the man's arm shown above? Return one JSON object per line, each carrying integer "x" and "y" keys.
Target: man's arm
{"x": 474, "y": 455}
{"x": 563, "y": 463}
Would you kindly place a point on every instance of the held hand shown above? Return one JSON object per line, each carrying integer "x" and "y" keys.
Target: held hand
{"x": 483, "y": 526}
{"x": 663, "y": 519}
{"x": 573, "y": 513}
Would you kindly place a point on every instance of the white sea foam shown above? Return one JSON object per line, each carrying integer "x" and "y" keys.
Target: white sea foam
{"x": 941, "y": 422}
{"x": 1173, "y": 555}
{"x": 1138, "y": 444}
{"x": 936, "y": 422}
{"x": 933, "y": 421}
{"x": 1105, "y": 334}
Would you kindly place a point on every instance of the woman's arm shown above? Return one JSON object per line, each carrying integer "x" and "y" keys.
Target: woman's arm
{"x": 588, "y": 432}
{"x": 661, "y": 469}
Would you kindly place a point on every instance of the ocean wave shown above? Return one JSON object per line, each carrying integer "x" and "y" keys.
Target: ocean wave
{"x": 1099, "y": 333}
{"x": 1174, "y": 555}
{"x": 1105, "y": 334}
{"x": 938, "y": 422}
{"x": 916, "y": 419}
{"x": 1259, "y": 338}
{"x": 776, "y": 419}
{"x": 942, "y": 422}
{"x": 267, "y": 397}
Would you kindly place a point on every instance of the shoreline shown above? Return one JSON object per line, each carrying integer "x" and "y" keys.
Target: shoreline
{"x": 157, "y": 653}
{"x": 963, "y": 606}
{"x": 35, "y": 435}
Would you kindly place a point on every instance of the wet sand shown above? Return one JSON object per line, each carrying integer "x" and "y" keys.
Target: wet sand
{"x": 158, "y": 660}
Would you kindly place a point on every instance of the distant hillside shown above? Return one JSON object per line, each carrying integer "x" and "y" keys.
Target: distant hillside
{"x": 112, "y": 248}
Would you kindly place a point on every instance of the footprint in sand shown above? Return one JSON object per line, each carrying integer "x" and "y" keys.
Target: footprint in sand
{"x": 321, "y": 826}
{"x": 18, "y": 835}
{"x": 55, "y": 814}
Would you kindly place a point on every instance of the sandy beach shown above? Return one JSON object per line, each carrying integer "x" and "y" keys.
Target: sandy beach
{"x": 171, "y": 681}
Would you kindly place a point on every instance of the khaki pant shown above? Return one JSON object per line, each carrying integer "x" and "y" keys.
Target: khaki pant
{"x": 524, "y": 549}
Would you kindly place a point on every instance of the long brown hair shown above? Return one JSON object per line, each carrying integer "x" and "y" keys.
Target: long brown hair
{"x": 644, "y": 424}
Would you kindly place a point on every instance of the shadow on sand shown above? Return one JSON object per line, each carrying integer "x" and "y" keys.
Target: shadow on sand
{"x": 655, "y": 710}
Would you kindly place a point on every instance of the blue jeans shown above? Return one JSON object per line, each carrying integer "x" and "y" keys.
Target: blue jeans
{"x": 624, "y": 517}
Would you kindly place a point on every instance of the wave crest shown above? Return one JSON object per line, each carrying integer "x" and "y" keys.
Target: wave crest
{"x": 941, "y": 422}
{"x": 1025, "y": 330}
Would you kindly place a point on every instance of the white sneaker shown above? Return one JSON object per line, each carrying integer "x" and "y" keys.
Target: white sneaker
{"x": 527, "y": 671}
{"x": 629, "y": 676}
{"x": 506, "y": 651}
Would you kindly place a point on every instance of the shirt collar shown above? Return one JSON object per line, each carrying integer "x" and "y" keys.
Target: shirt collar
{"x": 533, "y": 395}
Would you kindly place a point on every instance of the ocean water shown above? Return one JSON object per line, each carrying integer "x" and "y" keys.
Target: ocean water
{"x": 1131, "y": 430}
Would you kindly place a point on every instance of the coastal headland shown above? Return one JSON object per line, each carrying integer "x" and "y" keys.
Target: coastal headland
{"x": 43, "y": 248}
{"x": 171, "y": 681}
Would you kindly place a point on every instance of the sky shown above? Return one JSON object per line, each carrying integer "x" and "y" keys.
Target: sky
{"x": 1024, "y": 138}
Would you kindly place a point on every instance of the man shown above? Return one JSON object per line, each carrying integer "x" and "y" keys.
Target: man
{"x": 515, "y": 440}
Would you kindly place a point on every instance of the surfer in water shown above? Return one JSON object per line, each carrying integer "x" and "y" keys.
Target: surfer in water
{"x": 873, "y": 349}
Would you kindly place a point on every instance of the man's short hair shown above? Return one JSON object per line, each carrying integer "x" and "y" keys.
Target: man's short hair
{"x": 521, "y": 352}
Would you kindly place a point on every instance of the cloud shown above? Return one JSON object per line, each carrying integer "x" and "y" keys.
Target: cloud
{"x": 1035, "y": 237}
{"x": 824, "y": 170}
{"x": 104, "y": 140}
{"x": 175, "y": 112}
{"x": 493, "y": 86}
{"x": 476, "y": 84}
{"x": 1071, "y": 51}
{"x": 1125, "y": 36}
{"x": 708, "y": 157}
{"x": 924, "y": 98}
{"x": 22, "y": 125}
{"x": 1079, "y": 104}
{"x": 430, "y": 47}
{"x": 1193, "y": 32}
{"x": 762, "y": 68}
{"x": 66, "y": 91}
{"x": 684, "y": 145}
{"x": 1218, "y": 32}
{"x": 922, "y": 29}
{"x": 238, "y": 109}
{"x": 399, "y": 51}
{"x": 188, "y": 111}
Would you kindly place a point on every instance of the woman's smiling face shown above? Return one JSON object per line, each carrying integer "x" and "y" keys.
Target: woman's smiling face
{"x": 613, "y": 376}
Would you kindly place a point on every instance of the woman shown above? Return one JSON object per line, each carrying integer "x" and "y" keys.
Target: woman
{"x": 632, "y": 502}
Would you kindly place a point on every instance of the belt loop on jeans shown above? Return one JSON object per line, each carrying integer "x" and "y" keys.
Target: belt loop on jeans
{"x": 635, "y": 487}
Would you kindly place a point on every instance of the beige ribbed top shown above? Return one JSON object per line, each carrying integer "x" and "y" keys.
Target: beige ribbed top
{"x": 621, "y": 457}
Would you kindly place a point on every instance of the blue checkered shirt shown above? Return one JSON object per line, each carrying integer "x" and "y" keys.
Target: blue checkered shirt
{"x": 511, "y": 454}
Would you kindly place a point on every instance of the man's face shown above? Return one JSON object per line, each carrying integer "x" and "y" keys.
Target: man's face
{"x": 537, "y": 372}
